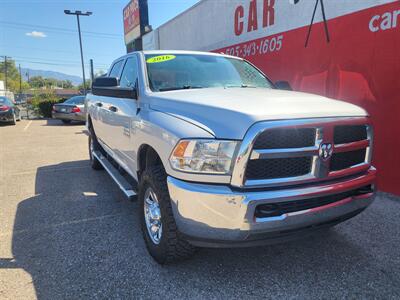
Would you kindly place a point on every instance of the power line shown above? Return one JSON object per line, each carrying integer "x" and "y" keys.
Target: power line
{"x": 87, "y": 35}
{"x": 52, "y": 51}
{"x": 46, "y": 63}
{"x": 60, "y": 30}
{"x": 57, "y": 64}
{"x": 52, "y": 60}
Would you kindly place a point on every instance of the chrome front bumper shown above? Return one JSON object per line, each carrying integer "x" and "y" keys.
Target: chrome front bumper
{"x": 209, "y": 215}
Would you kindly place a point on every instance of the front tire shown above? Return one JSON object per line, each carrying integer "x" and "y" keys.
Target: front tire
{"x": 94, "y": 146}
{"x": 66, "y": 121}
{"x": 162, "y": 238}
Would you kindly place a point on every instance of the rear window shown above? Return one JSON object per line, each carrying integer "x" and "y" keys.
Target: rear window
{"x": 5, "y": 101}
{"x": 78, "y": 100}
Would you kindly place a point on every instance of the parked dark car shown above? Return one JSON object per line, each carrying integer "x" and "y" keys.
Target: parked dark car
{"x": 9, "y": 112}
{"x": 72, "y": 109}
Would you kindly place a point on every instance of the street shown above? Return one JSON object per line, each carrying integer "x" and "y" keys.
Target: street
{"x": 66, "y": 231}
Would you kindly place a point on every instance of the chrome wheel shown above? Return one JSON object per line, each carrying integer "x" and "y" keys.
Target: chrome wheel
{"x": 152, "y": 216}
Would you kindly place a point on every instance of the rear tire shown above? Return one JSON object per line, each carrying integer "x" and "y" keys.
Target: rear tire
{"x": 14, "y": 120}
{"x": 66, "y": 121}
{"x": 94, "y": 146}
{"x": 169, "y": 246}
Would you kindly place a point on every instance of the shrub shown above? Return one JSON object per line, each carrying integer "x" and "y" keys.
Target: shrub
{"x": 43, "y": 103}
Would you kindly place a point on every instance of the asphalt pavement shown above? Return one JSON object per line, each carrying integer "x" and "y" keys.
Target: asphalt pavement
{"x": 67, "y": 232}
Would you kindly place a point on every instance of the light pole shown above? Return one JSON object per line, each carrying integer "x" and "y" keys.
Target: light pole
{"x": 77, "y": 14}
{"x": 20, "y": 81}
{"x": 5, "y": 73}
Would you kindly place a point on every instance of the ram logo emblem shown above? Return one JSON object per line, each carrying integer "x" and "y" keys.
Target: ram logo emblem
{"x": 325, "y": 151}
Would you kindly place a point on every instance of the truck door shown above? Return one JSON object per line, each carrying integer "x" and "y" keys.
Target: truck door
{"x": 123, "y": 112}
{"x": 106, "y": 118}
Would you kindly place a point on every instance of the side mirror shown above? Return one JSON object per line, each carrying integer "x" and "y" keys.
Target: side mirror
{"x": 108, "y": 87}
{"x": 283, "y": 85}
{"x": 105, "y": 82}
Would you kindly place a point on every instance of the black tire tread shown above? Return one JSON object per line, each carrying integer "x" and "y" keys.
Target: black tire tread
{"x": 176, "y": 248}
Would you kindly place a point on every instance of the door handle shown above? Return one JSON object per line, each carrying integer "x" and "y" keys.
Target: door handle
{"x": 99, "y": 104}
{"x": 113, "y": 108}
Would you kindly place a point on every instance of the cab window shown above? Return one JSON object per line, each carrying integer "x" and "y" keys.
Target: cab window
{"x": 129, "y": 74}
{"x": 116, "y": 68}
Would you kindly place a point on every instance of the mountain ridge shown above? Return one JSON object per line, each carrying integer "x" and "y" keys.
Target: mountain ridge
{"x": 76, "y": 80}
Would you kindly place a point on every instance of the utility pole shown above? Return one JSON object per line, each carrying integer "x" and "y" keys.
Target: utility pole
{"x": 79, "y": 13}
{"x": 20, "y": 81}
{"x": 5, "y": 72}
{"x": 91, "y": 70}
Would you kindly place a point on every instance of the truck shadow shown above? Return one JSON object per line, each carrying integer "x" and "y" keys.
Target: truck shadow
{"x": 78, "y": 237}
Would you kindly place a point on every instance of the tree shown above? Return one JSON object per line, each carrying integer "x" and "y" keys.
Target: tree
{"x": 12, "y": 71}
{"x": 67, "y": 84}
{"x": 13, "y": 76}
{"x": 37, "y": 82}
{"x": 99, "y": 73}
{"x": 88, "y": 85}
{"x": 40, "y": 82}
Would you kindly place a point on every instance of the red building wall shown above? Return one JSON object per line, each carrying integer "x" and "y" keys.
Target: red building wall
{"x": 360, "y": 64}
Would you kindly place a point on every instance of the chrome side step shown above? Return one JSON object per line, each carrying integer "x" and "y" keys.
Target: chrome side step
{"x": 122, "y": 183}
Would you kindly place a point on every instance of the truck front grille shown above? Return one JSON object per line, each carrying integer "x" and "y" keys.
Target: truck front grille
{"x": 278, "y": 168}
{"x": 291, "y": 152}
{"x": 346, "y": 160}
{"x": 349, "y": 133}
{"x": 285, "y": 138}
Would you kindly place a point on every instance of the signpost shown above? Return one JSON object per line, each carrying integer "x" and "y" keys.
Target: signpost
{"x": 135, "y": 16}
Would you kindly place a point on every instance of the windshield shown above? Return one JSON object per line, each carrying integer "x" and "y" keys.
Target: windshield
{"x": 77, "y": 100}
{"x": 186, "y": 71}
{"x": 5, "y": 101}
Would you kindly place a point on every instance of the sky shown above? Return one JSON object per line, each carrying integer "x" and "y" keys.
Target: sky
{"x": 38, "y": 35}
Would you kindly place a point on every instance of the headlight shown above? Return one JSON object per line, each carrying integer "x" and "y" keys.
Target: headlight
{"x": 203, "y": 156}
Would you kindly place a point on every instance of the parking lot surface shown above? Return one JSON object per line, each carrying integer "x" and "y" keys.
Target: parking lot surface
{"x": 66, "y": 231}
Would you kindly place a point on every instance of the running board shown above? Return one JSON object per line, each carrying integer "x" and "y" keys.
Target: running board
{"x": 123, "y": 184}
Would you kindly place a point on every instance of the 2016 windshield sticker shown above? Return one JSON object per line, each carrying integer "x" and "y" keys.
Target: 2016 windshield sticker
{"x": 159, "y": 59}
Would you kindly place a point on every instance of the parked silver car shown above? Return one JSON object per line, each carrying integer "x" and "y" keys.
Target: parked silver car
{"x": 72, "y": 109}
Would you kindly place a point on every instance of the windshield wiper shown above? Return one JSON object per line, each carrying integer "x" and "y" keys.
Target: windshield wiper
{"x": 184, "y": 87}
{"x": 240, "y": 86}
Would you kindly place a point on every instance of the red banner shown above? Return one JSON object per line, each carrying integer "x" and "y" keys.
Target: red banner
{"x": 131, "y": 21}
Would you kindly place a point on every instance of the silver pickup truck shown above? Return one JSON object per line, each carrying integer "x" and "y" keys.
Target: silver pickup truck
{"x": 220, "y": 156}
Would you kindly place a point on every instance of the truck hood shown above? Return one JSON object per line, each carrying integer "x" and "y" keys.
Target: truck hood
{"x": 227, "y": 113}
